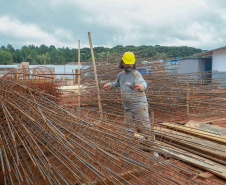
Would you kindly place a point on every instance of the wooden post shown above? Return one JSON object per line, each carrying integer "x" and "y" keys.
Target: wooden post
{"x": 187, "y": 99}
{"x": 95, "y": 73}
{"x": 79, "y": 74}
{"x": 104, "y": 114}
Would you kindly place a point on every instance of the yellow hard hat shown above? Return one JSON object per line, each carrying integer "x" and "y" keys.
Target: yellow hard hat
{"x": 128, "y": 58}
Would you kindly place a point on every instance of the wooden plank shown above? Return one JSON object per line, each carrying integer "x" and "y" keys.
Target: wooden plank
{"x": 209, "y": 128}
{"x": 200, "y": 153}
{"x": 206, "y": 146}
{"x": 195, "y": 160}
{"x": 200, "y": 133}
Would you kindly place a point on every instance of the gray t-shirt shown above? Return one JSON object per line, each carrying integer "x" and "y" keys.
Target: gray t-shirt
{"x": 132, "y": 99}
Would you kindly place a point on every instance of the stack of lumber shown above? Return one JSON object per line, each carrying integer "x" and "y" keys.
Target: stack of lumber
{"x": 199, "y": 144}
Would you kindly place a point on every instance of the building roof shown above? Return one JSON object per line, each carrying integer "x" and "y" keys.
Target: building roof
{"x": 210, "y": 52}
{"x": 185, "y": 58}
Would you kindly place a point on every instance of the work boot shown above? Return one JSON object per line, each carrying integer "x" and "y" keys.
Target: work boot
{"x": 140, "y": 137}
{"x": 156, "y": 154}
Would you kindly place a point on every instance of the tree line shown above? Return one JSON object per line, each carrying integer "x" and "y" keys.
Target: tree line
{"x": 44, "y": 55}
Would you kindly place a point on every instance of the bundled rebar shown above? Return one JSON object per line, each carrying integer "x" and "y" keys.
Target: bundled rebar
{"x": 41, "y": 143}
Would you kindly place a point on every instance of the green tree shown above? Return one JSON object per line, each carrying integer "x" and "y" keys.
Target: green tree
{"x": 29, "y": 59}
{"x": 44, "y": 59}
{"x": 130, "y": 48}
{"x": 51, "y": 48}
{"x": 118, "y": 48}
{"x": 74, "y": 55}
{"x": 10, "y": 49}
{"x": 5, "y": 57}
{"x": 17, "y": 58}
{"x": 67, "y": 55}
{"x": 3, "y": 48}
{"x": 45, "y": 54}
{"x": 57, "y": 56}
{"x": 43, "y": 49}
{"x": 53, "y": 55}
{"x": 32, "y": 47}
{"x": 99, "y": 49}
{"x": 32, "y": 57}
{"x": 25, "y": 51}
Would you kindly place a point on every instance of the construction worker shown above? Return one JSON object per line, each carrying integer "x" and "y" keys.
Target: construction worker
{"x": 132, "y": 86}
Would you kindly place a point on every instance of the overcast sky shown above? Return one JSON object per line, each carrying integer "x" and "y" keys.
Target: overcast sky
{"x": 195, "y": 23}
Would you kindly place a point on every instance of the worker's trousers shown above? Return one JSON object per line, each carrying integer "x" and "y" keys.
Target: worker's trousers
{"x": 139, "y": 116}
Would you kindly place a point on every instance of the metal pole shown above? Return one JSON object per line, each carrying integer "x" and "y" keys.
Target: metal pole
{"x": 95, "y": 73}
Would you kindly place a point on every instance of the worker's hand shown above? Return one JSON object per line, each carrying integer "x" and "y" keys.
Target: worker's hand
{"x": 139, "y": 87}
{"x": 107, "y": 86}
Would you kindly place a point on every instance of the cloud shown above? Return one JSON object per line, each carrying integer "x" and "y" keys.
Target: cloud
{"x": 31, "y": 33}
{"x": 196, "y": 23}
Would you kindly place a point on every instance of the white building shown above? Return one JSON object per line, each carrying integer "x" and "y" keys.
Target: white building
{"x": 218, "y": 63}
{"x": 218, "y": 58}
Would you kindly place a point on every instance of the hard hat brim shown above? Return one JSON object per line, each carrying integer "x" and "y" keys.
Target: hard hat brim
{"x": 129, "y": 62}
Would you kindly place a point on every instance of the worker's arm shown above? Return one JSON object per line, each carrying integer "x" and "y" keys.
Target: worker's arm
{"x": 114, "y": 84}
{"x": 140, "y": 83}
{"x": 106, "y": 86}
{"x": 139, "y": 87}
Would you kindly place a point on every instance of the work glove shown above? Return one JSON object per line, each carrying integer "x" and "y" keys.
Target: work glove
{"x": 139, "y": 87}
{"x": 107, "y": 86}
